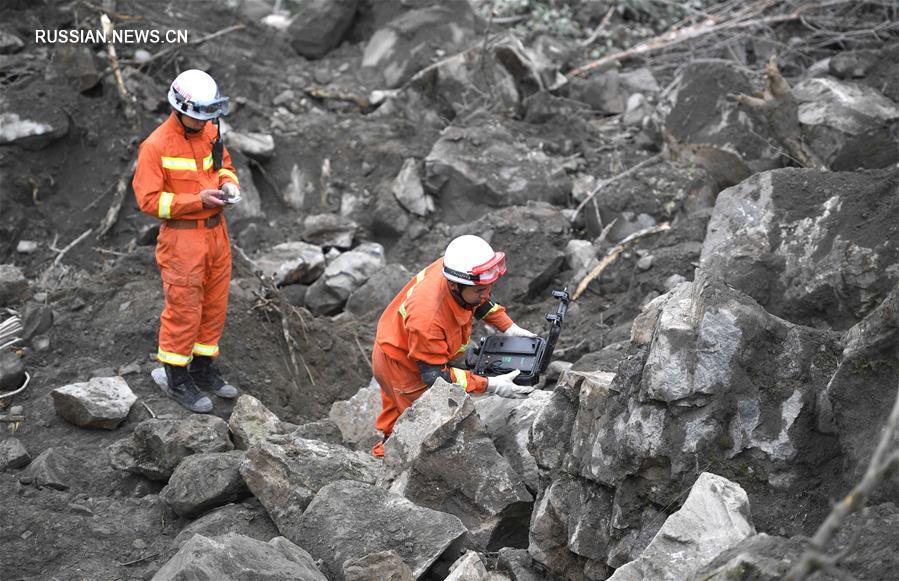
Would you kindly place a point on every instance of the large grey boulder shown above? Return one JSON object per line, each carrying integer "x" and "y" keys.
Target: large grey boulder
{"x": 760, "y": 557}
{"x": 102, "y": 402}
{"x": 285, "y": 473}
{"x": 811, "y": 246}
{"x": 534, "y": 239}
{"x": 52, "y": 469}
{"x": 508, "y": 421}
{"x": 714, "y": 518}
{"x": 12, "y": 371}
{"x": 867, "y": 539}
{"x": 356, "y": 417}
{"x": 157, "y": 446}
{"x": 376, "y": 293}
{"x": 13, "y": 454}
{"x": 251, "y": 422}
{"x": 34, "y": 131}
{"x": 330, "y": 528}
{"x": 842, "y": 120}
{"x": 570, "y": 528}
{"x": 709, "y": 374}
{"x": 406, "y": 44}
{"x": 204, "y": 481}
{"x": 380, "y": 566}
{"x": 488, "y": 164}
{"x": 250, "y": 205}
{"x": 259, "y": 146}
{"x": 331, "y": 230}
{"x": 318, "y": 26}
{"x": 292, "y": 263}
{"x": 234, "y": 556}
{"x": 469, "y": 567}
{"x": 10, "y": 43}
{"x": 247, "y": 518}
{"x": 450, "y": 85}
{"x": 441, "y": 456}
{"x": 13, "y": 284}
{"x": 706, "y": 127}
{"x": 409, "y": 192}
{"x": 345, "y": 274}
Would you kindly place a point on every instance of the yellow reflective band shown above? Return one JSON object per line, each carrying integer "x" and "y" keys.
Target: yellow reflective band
{"x": 420, "y": 276}
{"x": 403, "y": 310}
{"x": 165, "y": 205}
{"x": 227, "y": 173}
{"x": 184, "y": 163}
{"x": 462, "y": 349}
{"x": 208, "y": 350}
{"x": 207, "y": 162}
{"x": 173, "y": 358}
{"x": 494, "y": 308}
{"x": 459, "y": 377}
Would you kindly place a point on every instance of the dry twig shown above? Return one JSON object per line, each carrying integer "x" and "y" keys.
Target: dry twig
{"x": 646, "y": 162}
{"x": 200, "y": 40}
{"x": 127, "y": 101}
{"x": 745, "y": 18}
{"x": 71, "y": 245}
{"x": 112, "y": 214}
{"x": 613, "y": 254}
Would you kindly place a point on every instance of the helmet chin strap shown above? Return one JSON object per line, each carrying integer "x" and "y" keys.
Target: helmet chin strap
{"x": 456, "y": 291}
{"x": 187, "y": 130}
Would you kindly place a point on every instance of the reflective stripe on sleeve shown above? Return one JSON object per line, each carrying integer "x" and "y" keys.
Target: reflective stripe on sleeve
{"x": 495, "y": 308}
{"x": 165, "y": 205}
{"x": 459, "y": 377}
{"x": 173, "y": 358}
{"x": 207, "y": 162}
{"x": 418, "y": 278}
{"x": 207, "y": 350}
{"x": 183, "y": 163}
{"x": 227, "y": 173}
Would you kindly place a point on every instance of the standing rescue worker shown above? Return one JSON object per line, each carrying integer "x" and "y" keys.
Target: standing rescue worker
{"x": 184, "y": 177}
{"x": 428, "y": 325}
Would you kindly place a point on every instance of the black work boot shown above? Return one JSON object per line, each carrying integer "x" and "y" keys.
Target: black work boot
{"x": 206, "y": 377}
{"x": 181, "y": 388}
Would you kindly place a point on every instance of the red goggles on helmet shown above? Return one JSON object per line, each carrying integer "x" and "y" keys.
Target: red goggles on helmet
{"x": 491, "y": 270}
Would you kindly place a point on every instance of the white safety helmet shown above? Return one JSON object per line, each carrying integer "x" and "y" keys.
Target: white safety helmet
{"x": 196, "y": 94}
{"x": 470, "y": 260}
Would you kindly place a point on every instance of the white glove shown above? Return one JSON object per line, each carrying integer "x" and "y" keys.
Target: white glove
{"x": 516, "y": 331}
{"x": 503, "y": 386}
{"x": 233, "y": 193}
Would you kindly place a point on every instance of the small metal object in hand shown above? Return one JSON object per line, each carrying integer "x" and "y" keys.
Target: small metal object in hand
{"x": 231, "y": 196}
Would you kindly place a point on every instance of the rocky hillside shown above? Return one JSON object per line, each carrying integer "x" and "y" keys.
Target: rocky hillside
{"x": 716, "y": 183}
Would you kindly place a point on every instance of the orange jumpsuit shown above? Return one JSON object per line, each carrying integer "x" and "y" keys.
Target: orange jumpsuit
{"x": 193, "y": 249}
{"x": 424, "y": 323}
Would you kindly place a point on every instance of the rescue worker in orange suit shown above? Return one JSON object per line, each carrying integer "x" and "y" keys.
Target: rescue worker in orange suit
{"x": 185, "y": 178}
{"x": 428, "y": 325}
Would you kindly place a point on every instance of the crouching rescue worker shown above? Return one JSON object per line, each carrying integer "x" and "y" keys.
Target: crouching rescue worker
{"x": 428, "y": 325}
{"x": 184, "y": 177}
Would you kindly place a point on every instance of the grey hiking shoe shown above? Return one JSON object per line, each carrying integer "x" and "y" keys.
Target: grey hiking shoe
{"x": 180, "y": 387}
{"x": 207, "y": 378}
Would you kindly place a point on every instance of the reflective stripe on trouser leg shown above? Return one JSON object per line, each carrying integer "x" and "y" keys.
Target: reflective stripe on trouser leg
{"x": 206, "y": 350}
{"x": 173, "y": 358}
{"x": 215, "y": 296}
{"x": 181, "y": 256}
